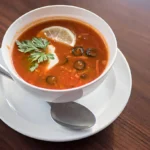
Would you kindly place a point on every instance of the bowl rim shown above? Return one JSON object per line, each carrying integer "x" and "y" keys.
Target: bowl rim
{"x": 108, "y": 67}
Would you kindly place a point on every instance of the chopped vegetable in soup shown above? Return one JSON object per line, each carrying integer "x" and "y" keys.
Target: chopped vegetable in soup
{"x": 60, "y": 54}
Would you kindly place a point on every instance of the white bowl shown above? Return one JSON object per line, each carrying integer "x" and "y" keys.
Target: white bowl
{"x": 33, "y": 16}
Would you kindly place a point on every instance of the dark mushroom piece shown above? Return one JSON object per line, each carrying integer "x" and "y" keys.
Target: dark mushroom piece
{"x": 77, "y": 51}
{"x": 79, "y": 65}
{"x": 64, "y": 61}
{"x": 91, "y": 52}
{"x": 83, "y": 76}
{"x": 51, "y": 80}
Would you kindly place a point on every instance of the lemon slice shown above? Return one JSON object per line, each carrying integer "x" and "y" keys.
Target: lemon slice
{"x": 60, "y": 34}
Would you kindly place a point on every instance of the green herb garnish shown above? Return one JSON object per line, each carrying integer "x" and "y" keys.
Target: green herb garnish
{"x": 33, "y": 67}
{"x": 36, "y": 47}
{"x": 32, "y": 45}
{"x": 40, "y": 57}
{"x": 40, "y": 43}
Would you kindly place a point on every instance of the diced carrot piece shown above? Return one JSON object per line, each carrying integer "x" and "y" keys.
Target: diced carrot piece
{"x": 83, "y": 57}
{"x": 77, "y": 76}
{"x": 97, "y": 68}
{"x": 104, "y": 62}
{"x": 79, "y": 83}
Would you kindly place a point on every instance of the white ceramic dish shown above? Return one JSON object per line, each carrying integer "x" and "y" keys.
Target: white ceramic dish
{"x": 30, "y": 116}
{"x": 54, "y": 11}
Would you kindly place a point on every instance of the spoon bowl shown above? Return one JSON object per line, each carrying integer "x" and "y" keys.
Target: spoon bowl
{"x": 72, "y": 115}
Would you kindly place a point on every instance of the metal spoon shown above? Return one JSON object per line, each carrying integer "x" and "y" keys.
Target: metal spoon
{"x": 70, "y": 114}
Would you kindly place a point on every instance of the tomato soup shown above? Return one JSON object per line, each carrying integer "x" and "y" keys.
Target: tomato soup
{"x": 60, "y": 54}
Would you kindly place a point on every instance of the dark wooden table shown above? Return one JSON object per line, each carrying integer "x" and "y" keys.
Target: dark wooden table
{"x": 130, "y": 20}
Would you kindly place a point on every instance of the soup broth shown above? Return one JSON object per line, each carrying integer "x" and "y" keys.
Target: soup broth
{"x": 77, "y": 63}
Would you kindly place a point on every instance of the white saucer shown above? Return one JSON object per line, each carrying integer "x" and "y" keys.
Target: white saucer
{"x": 32, "y": 117}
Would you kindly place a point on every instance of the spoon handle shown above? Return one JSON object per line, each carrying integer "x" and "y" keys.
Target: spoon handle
{"x": 4, "y": 72}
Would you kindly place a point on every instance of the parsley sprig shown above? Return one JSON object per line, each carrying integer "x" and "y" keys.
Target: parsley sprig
{"x": 36, "y": 47}
{"x": 40, "y": 57}
{"x": 32, "y": 45}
